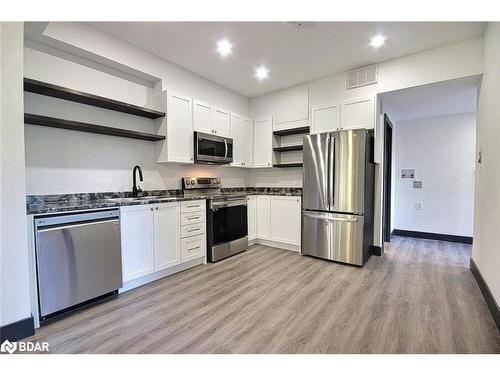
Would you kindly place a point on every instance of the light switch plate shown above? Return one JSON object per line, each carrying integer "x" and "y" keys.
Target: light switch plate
{"x": 407, "y": 173}
{"x": 418, "y": 206}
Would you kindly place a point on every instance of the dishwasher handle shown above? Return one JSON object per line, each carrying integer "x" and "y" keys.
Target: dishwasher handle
{"x": 74, "y": 218}
{"x": 42, "y": 229}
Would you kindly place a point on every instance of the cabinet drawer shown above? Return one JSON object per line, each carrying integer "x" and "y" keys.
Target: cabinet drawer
{"x": 193, "y": 248}
{"x": 193, "y": 206}
{"x": 192, "y": 218}
{"x": 192, "y": 229}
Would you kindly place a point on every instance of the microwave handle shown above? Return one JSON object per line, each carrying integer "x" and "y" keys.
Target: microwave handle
{"x": 225, "y": 145}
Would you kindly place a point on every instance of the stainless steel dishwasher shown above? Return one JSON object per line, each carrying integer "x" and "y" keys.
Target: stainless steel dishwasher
{"x": 78, "y": 259}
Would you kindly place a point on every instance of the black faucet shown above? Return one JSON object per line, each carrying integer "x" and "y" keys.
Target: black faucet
{"x": 136, "y": 189}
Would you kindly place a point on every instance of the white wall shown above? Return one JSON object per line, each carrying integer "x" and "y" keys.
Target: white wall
{"x": 276, "y": 177}
{"x": 441, "y": 149}
{"x": 14, "y": 276}
{"x": 62, "y": 161}
{"x": 485, "y": 252}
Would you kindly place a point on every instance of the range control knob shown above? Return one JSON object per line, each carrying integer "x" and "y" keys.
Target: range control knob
{"x": 188, "y": 182}
{"x": 193, "y": 182}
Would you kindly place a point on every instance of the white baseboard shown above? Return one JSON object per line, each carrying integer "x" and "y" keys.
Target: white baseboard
{"x": 132, "y": 284}
{"x": 279, "y": 245}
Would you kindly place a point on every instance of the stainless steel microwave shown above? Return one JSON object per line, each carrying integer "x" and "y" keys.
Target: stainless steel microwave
{"x": 212, "y": 149}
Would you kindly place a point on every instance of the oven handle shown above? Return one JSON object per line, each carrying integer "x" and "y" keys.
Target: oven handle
{"x": 228, "y": 203}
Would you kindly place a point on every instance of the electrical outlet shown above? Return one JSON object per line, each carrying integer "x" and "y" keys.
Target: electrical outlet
{"x": 418, "y": 206}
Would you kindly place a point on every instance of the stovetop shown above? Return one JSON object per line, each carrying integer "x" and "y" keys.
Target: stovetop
{"x": 208, "y": 187}
{"x": 216, "y": 195}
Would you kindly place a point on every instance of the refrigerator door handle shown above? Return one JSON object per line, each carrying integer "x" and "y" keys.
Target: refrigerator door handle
{"x": 331, "y": 170}
{"x": 330, "y": 218}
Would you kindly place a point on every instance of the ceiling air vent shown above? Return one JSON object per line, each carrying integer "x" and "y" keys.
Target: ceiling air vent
{"x": 364, "y": 76}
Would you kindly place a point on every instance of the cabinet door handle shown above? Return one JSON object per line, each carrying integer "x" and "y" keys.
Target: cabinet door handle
{"x": 156, "y": 208}
{"x": 193, "y": 248}
{"x": 193, "y": 205}
{"x": 193, "y": 230}
{"x": 193, "y": 218}
{"x": 151, "y": 208}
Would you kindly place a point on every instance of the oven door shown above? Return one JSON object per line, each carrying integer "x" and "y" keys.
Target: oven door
{"x": 212, "y": 149}
{"x": 228, "y": 220}
{"x": 227, "y": 232}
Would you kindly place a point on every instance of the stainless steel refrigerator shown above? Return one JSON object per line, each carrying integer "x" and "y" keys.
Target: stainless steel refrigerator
{"x": 338, "y": 189}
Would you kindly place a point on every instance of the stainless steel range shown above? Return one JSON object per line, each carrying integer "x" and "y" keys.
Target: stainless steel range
{"x": 227, "y": 229}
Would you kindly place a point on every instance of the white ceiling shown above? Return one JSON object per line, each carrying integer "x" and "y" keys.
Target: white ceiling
{"x": 439, "y": 99}
{"x": 292, "y": 54}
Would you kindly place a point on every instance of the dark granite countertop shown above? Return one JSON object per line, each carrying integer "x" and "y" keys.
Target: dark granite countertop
{"x": 48, "y": 204}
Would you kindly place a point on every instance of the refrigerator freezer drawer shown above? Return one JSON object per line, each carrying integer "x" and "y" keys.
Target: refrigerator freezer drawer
{"x": 337, "y": 237}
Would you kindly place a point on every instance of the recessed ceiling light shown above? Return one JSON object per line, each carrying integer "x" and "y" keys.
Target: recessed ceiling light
{"x": 224, "y": 47}
{"x": 377, "y": 41}
{"x": 261, "y": 73}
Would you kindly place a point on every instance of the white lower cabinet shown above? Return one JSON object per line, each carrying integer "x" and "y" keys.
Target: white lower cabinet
{"x": 264, "y": 217}
{"x": 193, "y": 234}
{"x": 156, "y": 237}
{"x": 137, "y": 238}
{"x": 277, "y": 219}
{"x": 167, "y": 235}
{"x": 193, "y": 248}
{"x": 252, "y": 217}
{"x": 285, "y": 219}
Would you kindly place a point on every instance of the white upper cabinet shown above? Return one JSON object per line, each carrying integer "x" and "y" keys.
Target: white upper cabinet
{"x": 210, "y": 119}
{"x": 262, "y": 143}
{"x": 222, "y": 122}
{"x": 179, "y": 128}
{"x": 358, "y": 113}
{"x": 247, "y": 131}
{"x": 167, "y": 235}
{"x": 237, "y": 135}
{"x": 291, "y": 107}
{"x": 325, "y": 118}
{"x": 285, "y": 219}
{"x": 202, "y": 117}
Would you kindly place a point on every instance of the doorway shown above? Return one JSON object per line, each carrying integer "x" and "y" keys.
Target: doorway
{"x": 428, "y": 156}
{"x": 386, "y": 218}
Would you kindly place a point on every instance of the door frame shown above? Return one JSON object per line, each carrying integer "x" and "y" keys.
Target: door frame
{"x": 386, "y": 218}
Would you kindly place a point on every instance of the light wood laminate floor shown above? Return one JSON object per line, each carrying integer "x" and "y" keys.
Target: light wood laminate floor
{"x": 419, "y": 298}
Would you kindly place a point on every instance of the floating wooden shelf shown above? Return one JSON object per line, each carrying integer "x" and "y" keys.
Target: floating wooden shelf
{"x": 288, "y": 165}
{"x": 53, "y": 122}
{"x": 302, "y": 130}
{"x": 48, "y": 89}
{"x": 288, "y": 148}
